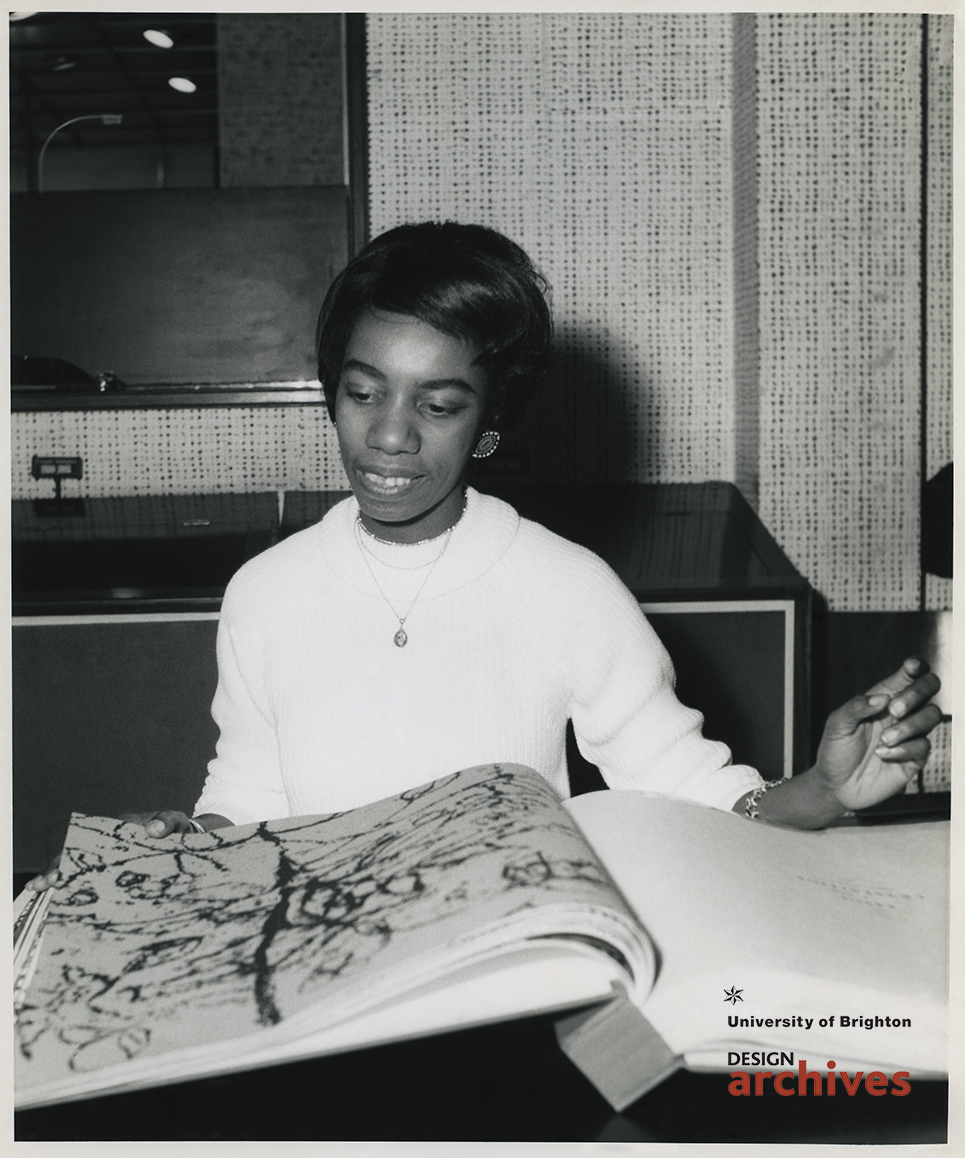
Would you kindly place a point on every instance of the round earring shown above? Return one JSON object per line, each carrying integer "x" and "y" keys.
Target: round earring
{"x": 488, "y": 441}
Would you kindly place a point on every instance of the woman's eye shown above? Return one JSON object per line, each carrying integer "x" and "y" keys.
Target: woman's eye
{"x": 441, "y": 409}
{"x": 359, "y": 393}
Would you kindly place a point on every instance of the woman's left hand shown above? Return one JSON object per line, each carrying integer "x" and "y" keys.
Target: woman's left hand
{"x": 876, "y": 743}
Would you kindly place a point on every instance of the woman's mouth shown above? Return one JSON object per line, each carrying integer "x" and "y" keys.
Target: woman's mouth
{"x": 387, "y": 485}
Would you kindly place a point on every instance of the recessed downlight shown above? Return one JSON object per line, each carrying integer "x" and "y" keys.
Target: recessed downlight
{"x": 158, "y": 38}
{"x": 182, "y": 84}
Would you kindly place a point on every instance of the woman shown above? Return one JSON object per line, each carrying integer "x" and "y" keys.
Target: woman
{"x": 423, "y": 627}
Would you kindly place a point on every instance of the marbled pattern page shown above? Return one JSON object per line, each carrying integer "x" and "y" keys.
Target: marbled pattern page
{"x": 189, "y": 942}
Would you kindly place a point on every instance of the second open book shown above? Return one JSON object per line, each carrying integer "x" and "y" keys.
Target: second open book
{"x": 475, "y": 898}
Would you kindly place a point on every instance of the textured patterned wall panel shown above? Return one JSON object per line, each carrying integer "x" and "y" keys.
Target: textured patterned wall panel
{"x": 202, "y": 451}
{"x": 280, "y": 99}
{"x": 747, "y": 290}
{"x": 938, "y": 426}
{"x": 839, "y": 119}
{"x": 600, "y": 142}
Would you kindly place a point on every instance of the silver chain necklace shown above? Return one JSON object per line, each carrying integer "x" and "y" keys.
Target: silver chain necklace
{"x": 392, "y": 542}
{"x": 400, "y": 639}
{"x": 385, "y": 563}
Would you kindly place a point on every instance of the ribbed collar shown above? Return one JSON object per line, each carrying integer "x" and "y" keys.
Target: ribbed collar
{"x": 479, "y": 540}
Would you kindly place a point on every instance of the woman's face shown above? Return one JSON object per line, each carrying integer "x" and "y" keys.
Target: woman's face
{"x": 408, "y": 412}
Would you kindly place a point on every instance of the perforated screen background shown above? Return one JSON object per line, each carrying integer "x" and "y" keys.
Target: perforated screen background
{"x": 602, "y": 145}
{"x": 840, "y": 230}
{"x": 206, "y": 450}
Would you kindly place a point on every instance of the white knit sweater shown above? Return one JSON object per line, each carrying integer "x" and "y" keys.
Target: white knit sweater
{"x": 515, "y": 631}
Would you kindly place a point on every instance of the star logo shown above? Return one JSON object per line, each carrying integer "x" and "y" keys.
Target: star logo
{"x": 733, "y": 995}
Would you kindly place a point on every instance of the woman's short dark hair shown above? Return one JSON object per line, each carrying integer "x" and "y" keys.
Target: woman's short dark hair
{"x": 466, "y": 280}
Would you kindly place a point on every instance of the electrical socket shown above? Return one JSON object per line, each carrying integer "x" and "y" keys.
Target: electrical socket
{"x": 56, "y": 467}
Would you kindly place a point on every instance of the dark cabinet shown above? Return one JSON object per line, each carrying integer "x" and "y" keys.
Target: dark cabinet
{"x": 115, "y": 616}
{"x": 110, "y": 715}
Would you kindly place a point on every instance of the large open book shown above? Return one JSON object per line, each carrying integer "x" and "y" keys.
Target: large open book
{"x": 475, "y": 898}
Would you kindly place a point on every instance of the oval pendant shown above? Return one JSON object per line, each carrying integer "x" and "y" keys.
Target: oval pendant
{"x": 400, "y": 639}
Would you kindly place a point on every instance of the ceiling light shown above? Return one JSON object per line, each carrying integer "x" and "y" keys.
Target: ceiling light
{"x": 63, "y": 63}
{"x": 158, "y": 38}
{"x": 182, "y": 84}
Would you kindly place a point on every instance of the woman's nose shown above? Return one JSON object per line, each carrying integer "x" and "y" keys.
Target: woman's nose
{"x": 393, "y": 432}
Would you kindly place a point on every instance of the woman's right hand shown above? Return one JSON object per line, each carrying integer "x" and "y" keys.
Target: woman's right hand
{"x": 160, "y": 823}
{"x": 47, "y": 879}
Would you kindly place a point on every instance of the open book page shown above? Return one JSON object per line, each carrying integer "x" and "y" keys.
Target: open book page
{"x": 194, "y": 943}
{"x": 29, "y": 918}
{"x": 846, "y": 921}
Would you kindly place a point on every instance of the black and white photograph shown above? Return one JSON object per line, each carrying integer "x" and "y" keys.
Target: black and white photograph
{"x": 482, "y": 541}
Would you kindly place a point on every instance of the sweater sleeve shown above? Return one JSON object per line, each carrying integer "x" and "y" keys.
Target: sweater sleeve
{"x": 626, "y": 716}
{"x": 244, "y": 781}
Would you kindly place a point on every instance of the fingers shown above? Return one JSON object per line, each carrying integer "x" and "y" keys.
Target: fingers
{"x": 160, "y": 823}
{"x": 165, "y": 822}
{"x": 919, "y": 723}
{"x": 914, "y": 666}
{"x": 918, "y": 692}
{"x": 901, "y": 698}
{"x": 48, "y": 879}
{"x": 897, "y": 735}
{"x": 136, "y": 817}
{"x": 913, "y": 752}
{"x": 913, "y": 669}
{"x": 903, "y": 693}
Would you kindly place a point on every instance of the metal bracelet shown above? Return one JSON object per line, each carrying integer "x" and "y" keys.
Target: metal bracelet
{"x": 750, "y": 808}
{"x": 197, "y": 825}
